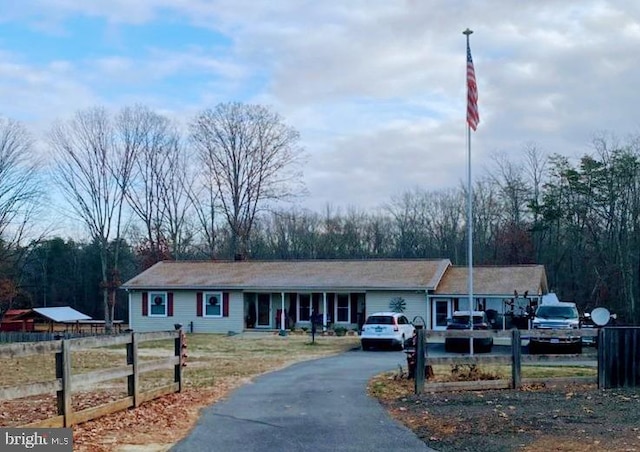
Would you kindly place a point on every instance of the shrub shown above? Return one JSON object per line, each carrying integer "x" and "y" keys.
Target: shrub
{"x": 471, "y": 372}
{"x": 340, "y": 330}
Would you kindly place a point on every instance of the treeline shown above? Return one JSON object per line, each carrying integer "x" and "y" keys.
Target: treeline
{"x": 145, "y": 192}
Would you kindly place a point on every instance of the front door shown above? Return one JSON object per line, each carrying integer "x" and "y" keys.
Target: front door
{"x": 441, "y": 312}
{"x": 264, "y": 310}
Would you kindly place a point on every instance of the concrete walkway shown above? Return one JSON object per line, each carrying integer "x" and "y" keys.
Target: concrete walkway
{"x": 318, "y": 405}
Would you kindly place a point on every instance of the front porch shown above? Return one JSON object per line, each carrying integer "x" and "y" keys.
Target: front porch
{"x": 303, "y": 331}
{"x": 298, "y": 310}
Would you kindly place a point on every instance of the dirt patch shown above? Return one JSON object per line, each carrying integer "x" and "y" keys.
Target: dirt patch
{"x": 535, "y": 419}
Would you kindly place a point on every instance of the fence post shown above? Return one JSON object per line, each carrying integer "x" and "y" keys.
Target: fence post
{"x": 420, "y": 361}
{"x": 133, "y": 384}
{"x": 602, "y": 355}
{"x": 63, "y": 371}
{"x": 180, "y": 346}
{"x": 516, "y": 359}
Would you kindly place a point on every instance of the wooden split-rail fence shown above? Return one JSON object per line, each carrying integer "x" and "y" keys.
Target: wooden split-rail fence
{"x": 66, "y": 383}
{"x": 618, "y": 359}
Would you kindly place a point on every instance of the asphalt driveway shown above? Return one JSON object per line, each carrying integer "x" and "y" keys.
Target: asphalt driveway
{"x": 318, "y": 405}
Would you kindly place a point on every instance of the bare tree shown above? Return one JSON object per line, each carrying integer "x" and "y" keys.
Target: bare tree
{"x": 19, "y": 184}
{"x": 20, "y": 193}
{"x": 514, "y": 188}
{"x": 487, "y": 212}
{"x": 293, "y": 234}
{"x": 251, "y": 156}
{"x": 536, "y": 167}
{"x": 447, "y": 233}
{"x": 175, "y": 187}
{"x": 204, "y": 199}
{"x": 93, "y": 170}
{"x": 411, "y": 222}
{"x": 160, "y": 181}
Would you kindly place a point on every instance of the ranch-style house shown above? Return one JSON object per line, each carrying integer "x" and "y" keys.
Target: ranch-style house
{"x": 235, "y": 296}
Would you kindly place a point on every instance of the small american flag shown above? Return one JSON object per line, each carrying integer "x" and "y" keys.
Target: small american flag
{"x": 473, "y": 117}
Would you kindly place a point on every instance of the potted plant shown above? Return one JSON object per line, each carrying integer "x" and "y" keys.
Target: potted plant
{"x": 340, "y": 330}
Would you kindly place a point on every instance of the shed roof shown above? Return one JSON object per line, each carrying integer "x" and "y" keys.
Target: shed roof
{"x": 293, "y": 275}
{"x": 14, "y": 313}
{"x": 496, "y": 281}
{"x": 60, "y": 314}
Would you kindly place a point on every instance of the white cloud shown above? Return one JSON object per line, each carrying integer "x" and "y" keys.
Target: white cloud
{"x": 375, "y": 87}
{"x": 38, "y": 94}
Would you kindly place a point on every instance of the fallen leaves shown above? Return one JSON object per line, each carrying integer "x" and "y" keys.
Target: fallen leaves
{"x": 577, "y": 418}
{"x": 162, "y": 421}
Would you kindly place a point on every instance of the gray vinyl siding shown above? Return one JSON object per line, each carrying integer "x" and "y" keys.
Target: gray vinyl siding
{"x": 416, "y": 303}
{"x": 185, "y": 312}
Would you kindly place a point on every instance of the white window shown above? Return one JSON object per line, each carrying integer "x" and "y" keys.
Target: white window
{"x": 212, "y": 304}
{"x": 158, "y": 304}
{"x": 304, "y": 307}
{"x": 343, "y": 308}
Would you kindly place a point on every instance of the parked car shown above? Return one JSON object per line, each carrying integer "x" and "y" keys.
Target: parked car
{"x": 556, "y": 316}
{"x": 460, "y": 321}
{"x": 386, "y": 329}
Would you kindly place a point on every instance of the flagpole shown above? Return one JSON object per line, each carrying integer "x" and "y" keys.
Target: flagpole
{"x": 467, "y": 33}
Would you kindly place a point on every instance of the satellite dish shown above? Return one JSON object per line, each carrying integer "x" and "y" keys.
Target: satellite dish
{"x": 600, "y": 316}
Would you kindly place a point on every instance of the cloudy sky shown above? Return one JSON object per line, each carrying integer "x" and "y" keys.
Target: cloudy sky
{"x": 376, "y": 88}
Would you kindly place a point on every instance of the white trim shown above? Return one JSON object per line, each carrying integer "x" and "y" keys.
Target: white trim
{"x": 324, "y": 311}
{"x": 151, "y": 302}
{"x": 434, "y": 316}
{"x": 298, "y": 305}
{"x": 282, "y": 316}
{"x": 205, "y": 303}
{"x": 335, "y": 309}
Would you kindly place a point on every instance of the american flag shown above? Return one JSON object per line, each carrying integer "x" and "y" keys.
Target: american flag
{"x": 473, "y": 117}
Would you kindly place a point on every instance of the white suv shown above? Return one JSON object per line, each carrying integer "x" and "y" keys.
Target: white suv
{"x": 386, "y": 328}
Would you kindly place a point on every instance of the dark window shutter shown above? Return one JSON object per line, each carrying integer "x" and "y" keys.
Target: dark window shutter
{"x": 170, "y": 304}
{"x": 331, "y": 307}
{"x": 145, "y": 303}
{"x": 199, "y": 304}
{"x": 225, "y": 304}
{"x": 354, "y": 308}
{"x": 293, "y": 306}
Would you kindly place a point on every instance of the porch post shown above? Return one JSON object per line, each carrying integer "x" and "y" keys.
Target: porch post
{"x": 504, "y": 316}
{"x": 428, "y": 310}
{"x": 282, "y": 325}
{"x": 324, "y": 312}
